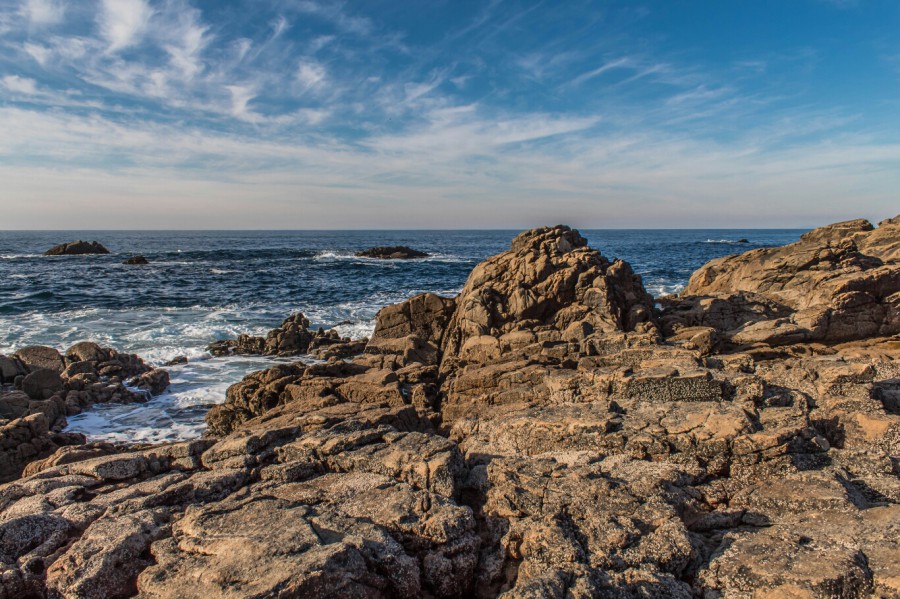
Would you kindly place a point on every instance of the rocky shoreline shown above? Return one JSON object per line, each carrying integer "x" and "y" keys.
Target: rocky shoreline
{"x": 549, "y": 432}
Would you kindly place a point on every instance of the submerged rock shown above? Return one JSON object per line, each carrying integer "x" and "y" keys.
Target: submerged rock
{"x": 536, "y": 436}
{"x": 74, "y": 248}
{"x": 396, "y": 252}
{"x": 136, "y": 260}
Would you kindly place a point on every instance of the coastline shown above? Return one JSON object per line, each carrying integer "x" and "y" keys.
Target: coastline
{"x": 550, "y": 429}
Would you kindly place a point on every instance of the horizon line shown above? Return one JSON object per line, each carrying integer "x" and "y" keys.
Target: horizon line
{"x": 327, "y": 230}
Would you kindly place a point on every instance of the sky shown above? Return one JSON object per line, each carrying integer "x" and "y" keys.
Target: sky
{"x": 309, "y": 114}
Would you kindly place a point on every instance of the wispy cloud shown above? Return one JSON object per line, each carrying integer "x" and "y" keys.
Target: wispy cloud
{"x": 44, "y": 12}
{"x": 310, "y": 74}
{"x": 21, "y": 85}
{"x": 357, "y": 112}
{"x": 123, "y": 22}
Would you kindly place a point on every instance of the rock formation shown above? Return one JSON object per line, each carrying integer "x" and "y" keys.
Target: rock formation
{"x": 292, "y": 338}
{"x": 39, "y": 387}
{"x": 136, "y": 261}
{"x": 838, "y": 283}
{"x": 544, "y": 434}
{"x": 75, "y": 248}
{"x": 395, "y": 252}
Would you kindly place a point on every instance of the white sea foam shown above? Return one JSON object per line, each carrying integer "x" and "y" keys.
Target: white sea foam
{"x": 660, "y": 289}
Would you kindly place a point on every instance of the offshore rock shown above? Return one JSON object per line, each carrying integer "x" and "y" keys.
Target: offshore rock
{"x": 397, "y": 252}
{"x": 136, "y": 260}
{"x": 74, "y": 248}
{"x": 534, "y": 437}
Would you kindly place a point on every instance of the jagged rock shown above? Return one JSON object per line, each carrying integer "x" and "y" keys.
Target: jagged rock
{"x": 292, "y": 338}
{"x": 136, "y": 261}
{"x": 54, "y": 386}
{"x": 547, "y": 285}
{"x": 79, "y": 247}
{"x": 397, "y": 252}
{"x": 838, "y": 283}
{"x": 153, "y": 381}
{"x": 534, "y": 437}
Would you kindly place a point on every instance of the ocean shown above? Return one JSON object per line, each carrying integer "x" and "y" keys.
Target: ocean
{"x": 202, "y": 286}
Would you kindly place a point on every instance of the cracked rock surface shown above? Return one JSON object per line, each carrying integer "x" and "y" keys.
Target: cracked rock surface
{"x": 547, "y": 433}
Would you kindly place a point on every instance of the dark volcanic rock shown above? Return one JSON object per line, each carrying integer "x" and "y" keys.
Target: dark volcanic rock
{"x": 136, "y": 260}
{"x": 74, "y": 248}
{"x": 397, "y": 252}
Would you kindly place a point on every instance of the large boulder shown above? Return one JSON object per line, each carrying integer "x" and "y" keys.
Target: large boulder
{"x": 75, "y": 248}
{"x": 549, "y": 285}
{"x": 37, "y": 357}
{"x": 42, "y": 383}
{"x": 10, "y": 368}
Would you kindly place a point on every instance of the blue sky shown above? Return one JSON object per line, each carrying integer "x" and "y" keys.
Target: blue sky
{"x": 298, "y": 114}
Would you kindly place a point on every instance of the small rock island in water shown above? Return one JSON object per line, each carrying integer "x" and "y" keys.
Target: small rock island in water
{"x": 397, "y": 252}
{"x": 551, "y": 431}
{"x": 77, "y": 248}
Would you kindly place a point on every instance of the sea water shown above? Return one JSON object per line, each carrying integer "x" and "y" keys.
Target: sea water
{"x": 205, "y": 286}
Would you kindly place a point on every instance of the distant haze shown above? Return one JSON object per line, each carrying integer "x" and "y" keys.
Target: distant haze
{"x": 310, "y": 114}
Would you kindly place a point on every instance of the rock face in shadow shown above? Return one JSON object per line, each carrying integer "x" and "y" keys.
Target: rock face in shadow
{"x": 537, "y": 436}
{"x": 838, "y": 283}
{"x": 395, "y": 252}
{"x": 39, "y": 387}
{"x": 77, "y": 248}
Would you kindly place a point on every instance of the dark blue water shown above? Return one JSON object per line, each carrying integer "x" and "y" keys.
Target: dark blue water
{"x": 204, "y": 286}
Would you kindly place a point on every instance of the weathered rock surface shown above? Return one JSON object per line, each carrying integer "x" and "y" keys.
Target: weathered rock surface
{"x": 536, "y": 436}
{"x": 74, "y": 248}
{"x": 39, "y": 387}
{"x": 396, "y": 252}
{"x": 838, "y": 283}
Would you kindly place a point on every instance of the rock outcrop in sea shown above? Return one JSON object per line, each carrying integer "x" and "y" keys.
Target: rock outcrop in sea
{"x": 396, "y": 252}
{"x": 546, "y": 433}
{"x": 77, "y": 248}
{"x": 292, "y": 338}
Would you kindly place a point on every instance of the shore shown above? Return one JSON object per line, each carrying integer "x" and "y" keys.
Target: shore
{"x": 552, "y": 431}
